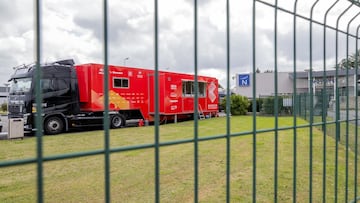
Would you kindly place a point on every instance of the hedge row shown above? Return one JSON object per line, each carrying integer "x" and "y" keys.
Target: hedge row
{"x": 240, "y": 105}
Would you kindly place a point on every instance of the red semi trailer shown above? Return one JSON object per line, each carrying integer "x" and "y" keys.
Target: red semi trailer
{"x": 73, "y": 95}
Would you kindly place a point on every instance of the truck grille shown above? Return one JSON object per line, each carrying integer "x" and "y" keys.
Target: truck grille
{"x": 15, "y": 108}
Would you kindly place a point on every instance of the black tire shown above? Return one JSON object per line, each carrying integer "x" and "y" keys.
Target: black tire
{"x": 117, "y": 121}
{"x": 53, "y": 125}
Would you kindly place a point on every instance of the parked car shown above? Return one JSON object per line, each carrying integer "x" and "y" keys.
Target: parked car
{"x": 221, "y": 98}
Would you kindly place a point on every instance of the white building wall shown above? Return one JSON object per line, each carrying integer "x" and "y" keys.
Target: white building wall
{"x": 265, "y": 84}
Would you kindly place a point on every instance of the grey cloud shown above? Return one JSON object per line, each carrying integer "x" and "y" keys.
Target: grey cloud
{"x": 200, "y": 3}
{"x": 91, "y": 23}
{"x": 16, "y": 17}
{"x": 6, "y": 11}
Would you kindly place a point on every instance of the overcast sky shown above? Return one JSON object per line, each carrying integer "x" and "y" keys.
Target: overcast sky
{"x": 74, "y": 29}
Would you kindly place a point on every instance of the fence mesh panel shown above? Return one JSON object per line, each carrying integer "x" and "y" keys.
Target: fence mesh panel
{"x": 315, "y": 41}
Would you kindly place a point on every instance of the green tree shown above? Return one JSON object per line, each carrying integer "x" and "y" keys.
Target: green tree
{"x": 238, "y": 104}
{"x": 4, "y": 107}
{"x": 350, "y": 61}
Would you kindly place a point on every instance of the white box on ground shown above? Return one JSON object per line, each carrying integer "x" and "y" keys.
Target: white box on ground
{"x": 16, "y": 128}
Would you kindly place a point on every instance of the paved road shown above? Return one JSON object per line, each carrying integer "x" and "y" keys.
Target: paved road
{"x": 343, "y": 114}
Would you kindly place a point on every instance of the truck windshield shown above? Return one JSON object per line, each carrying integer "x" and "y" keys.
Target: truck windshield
{"x": 20, "y": 85}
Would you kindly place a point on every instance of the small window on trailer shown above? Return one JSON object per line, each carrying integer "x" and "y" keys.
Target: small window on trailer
{"x": 188, "y": 88}
{"x": 120, "y": 82}
{"x": 202, "y": 89}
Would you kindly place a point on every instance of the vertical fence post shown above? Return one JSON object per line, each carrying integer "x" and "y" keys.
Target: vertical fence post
{"x": 196, "y": 103}
{"x": 324, "y": 86}
{"x": 307, "y": 106}
{"x": 228, "y": 131}
{"x": 357, "y": 111}
{"x": 38, "y": 95}
{"x": 347, "y": 109}
{"x": 311, "y": 115}
{"x": 106, "y": 107}
{"x": 276, "y": 105}
{"x": 337, "y": 103}
{"x": 254, "y": 96}
{"x": 295, "y": 105}
{"x": 156, "y": 103}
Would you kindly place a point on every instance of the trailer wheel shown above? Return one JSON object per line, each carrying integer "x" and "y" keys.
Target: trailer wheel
{"x": 117, "y": 121}
{"x": 53, "y": 125}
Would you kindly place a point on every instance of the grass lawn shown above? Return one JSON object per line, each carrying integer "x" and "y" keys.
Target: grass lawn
{"x": 132, "y": 172}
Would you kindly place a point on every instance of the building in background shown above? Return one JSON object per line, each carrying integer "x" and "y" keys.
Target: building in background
{"x": 265, "y": 83}
{"x": 4, "y": 93}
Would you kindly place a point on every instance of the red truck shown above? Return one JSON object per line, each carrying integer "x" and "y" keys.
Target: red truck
{"x": 73, "y": 95}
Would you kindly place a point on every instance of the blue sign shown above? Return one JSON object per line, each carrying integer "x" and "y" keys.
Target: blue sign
{"x": 244, "y": 80}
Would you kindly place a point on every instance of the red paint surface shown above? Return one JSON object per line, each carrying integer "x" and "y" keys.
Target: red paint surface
{"x": 141, "y": 90}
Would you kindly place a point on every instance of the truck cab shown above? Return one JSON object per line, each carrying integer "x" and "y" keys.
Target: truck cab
{"x": 59, "y": 95}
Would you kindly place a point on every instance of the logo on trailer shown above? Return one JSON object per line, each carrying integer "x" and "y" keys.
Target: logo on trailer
{"x": 244, "y": 80}
{"x": 212, "y": 95}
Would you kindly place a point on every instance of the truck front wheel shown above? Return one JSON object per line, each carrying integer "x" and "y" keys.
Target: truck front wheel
{"x": 117, "y": 121}
{"x": 53, "y": 125}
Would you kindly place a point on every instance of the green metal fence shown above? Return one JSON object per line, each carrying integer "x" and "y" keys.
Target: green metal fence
{"x": 311, "y": 106}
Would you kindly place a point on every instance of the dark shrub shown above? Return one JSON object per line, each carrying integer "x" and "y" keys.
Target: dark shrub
{"x": 238, "y": 104}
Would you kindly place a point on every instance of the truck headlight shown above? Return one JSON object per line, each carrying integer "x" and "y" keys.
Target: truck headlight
{"x": 25, "y": 119}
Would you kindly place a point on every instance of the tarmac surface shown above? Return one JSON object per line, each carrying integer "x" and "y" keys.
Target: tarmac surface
{"x": 4, "y": 131}
{"x": 343, "y": 115}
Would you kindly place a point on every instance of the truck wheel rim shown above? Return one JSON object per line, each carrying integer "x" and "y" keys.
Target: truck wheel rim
{"x": 53, "y": 125}
{"x": 117, "y": 121}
